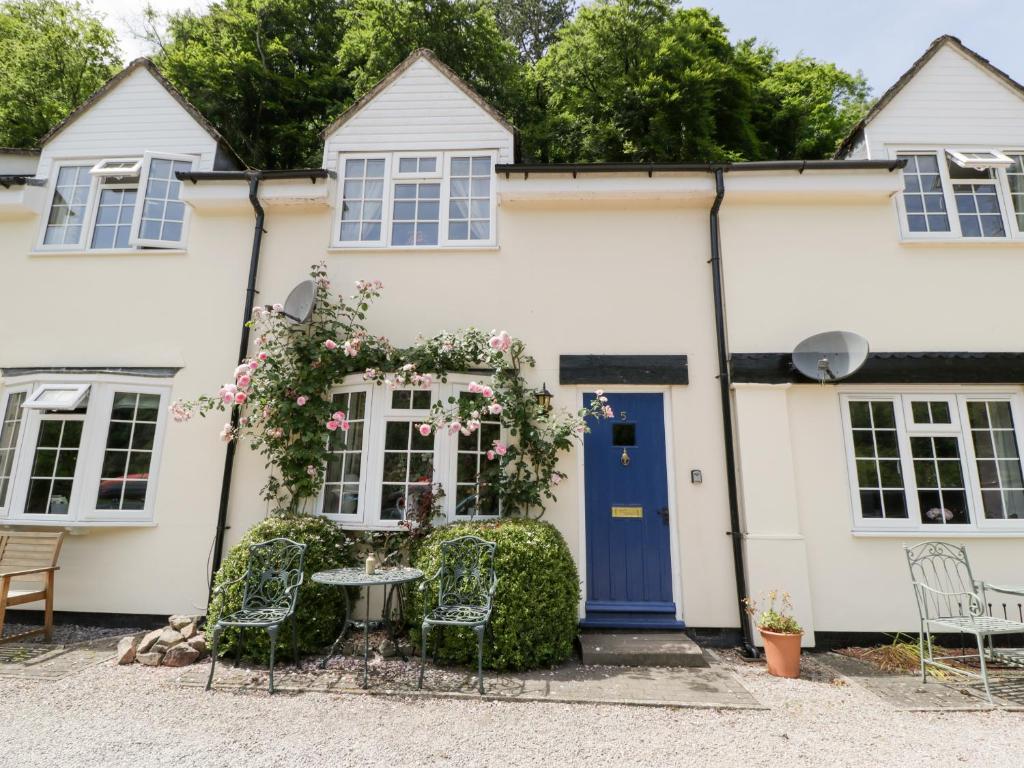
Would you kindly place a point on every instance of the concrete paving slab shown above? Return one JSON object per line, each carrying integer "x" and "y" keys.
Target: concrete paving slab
{"x": 641, "y": 649}
{"x": 906, "y": 692}
{"x": 711, "y": 687}
{"x": 51, "y": 661}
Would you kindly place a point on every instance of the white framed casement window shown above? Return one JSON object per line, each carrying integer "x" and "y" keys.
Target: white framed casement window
{"x": 382, "y": 467}
{"x": 953, "y": 194}
{"x": 416, "y": 200}
{"x": 116, "y": 204}
{"x": 934, "y": 462}
{"x": 92, "y": 459}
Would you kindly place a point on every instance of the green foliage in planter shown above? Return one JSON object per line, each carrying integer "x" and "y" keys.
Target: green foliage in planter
{"x": 535, "y": 608}
{"x": 321, "y": 609}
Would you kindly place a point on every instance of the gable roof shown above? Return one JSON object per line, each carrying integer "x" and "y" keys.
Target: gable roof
{"x": 855, "y": 134}
{"x": 394, "y": 74}
{"x": 144, "y": 63}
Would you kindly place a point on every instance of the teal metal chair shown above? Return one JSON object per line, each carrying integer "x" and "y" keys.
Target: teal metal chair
{"x": 466, "y": 583}
{"x": 272, "y": 580}
{"x": 950, "y": 600}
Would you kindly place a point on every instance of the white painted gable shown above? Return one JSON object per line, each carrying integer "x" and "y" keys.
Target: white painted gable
{"x": 951, "y": 100}
{"x": 136, "y": 115}
{"x": 421, "y": 109}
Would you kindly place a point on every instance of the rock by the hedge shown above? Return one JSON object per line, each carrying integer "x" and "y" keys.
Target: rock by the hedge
{"x": 151, "y": 659}
{"x": 179, "y": 620}
{"x": 180, "y": 655}
{"x": 199, "y": 643}
{"x": 168, "y": 638}
{"x": 127, "y": 648}
{"x": 387, "y": 648}
{"x": 188, "y": 631}
{"x": 408, "y": 649}
{"x": 148, "y": 641}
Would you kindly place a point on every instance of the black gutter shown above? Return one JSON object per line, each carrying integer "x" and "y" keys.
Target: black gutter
{"x": 288, "y": 173}
{"x": 652, "y": 168}
{"x": 11, "y": 180}
{"x": 725, "y": 389}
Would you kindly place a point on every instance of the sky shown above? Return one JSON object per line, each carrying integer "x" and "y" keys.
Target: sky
{"x": 882, "y": 38}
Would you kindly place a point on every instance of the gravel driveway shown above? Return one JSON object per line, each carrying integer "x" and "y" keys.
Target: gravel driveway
{"x": 121, "y": 716}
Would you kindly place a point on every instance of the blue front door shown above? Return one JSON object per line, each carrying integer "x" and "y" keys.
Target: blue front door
{"x": 629, "y": 568}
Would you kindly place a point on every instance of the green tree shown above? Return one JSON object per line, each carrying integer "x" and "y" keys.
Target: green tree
{"x": 263, "y": 71}
{"x": 53, "y": 54}
{"x": 642, "y": 80}
{"x": 462, "y": 33}
{"x": 532, "y": 25}
{"x": 803, "y": 107}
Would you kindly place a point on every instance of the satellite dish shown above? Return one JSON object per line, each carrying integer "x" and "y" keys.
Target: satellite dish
{"x": 830, "y": 356}
{"x": 299, "y": 305}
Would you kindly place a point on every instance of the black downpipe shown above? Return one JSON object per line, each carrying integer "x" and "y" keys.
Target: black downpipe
{"x": 243, "y": 350}
{"x": 725, "y": 386}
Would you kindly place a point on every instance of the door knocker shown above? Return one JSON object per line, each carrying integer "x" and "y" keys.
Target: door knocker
{"x": 624, "y": 458}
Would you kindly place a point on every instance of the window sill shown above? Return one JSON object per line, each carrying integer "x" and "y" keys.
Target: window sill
{"x": 963, "y": 242}
{"x": 413, "y": 249}
{"x": 74, "y": 524}
{"x": 114, "y": 252}
{"x": 919, "y": 534}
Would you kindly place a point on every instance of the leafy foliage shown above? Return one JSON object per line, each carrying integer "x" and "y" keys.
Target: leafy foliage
{"x": 774, "y": 619}
{"x": 263, "y": 71}
{"x": 534, "y": 617}
{"x": 321, "y": 609}
{"x": 532, "y": 25}
{"x": 284, "y": 392}
{"x": 54, "y": 55}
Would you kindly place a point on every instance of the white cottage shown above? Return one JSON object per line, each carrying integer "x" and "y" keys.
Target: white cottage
{"x": 136, "y": 247}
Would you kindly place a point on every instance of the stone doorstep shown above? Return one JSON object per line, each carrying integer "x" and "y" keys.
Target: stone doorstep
{"x": 641, "y": 649}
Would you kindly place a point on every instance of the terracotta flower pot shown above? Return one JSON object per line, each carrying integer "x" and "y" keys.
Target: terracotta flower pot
{"x": 782, "y": 652}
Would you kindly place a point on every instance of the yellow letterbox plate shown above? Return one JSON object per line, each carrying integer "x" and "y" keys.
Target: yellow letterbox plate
{"x": 627, "y": 511}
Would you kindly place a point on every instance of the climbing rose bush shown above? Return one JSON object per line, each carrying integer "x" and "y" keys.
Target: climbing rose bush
{"x": 279, "y": 400}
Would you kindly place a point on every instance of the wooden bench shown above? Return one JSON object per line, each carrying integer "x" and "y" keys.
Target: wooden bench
{"x": 28, "y": 561}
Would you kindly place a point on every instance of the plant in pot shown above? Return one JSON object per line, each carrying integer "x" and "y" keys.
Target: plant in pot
{"x": 780, "y": 633}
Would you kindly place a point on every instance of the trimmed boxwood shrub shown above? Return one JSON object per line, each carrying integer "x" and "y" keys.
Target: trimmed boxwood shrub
{"x": 534, "y": 620}
{"x": 321, "y": 609}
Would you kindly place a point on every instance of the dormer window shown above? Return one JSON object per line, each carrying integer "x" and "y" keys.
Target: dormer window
{"x": 984, "y": 187}
{"x": 117, "y": 204}
{"x": 416, "y": 200}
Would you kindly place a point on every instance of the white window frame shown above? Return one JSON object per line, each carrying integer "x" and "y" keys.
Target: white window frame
{"x": 385, "y": 222}
{"x": 7, "y": 394}
{"x": 34, "y": 401}
{"x": 140, "y": 203}
{"x": 135, "y": 244}
{"x": 437, "y": 173}
{"x": 102, "y": 169}
{"x": 905, "y": 429}
{"x": 82, "y": 509}
{"x": 960, "y": 157}
{"x": 378, "y": 414}
{"x": 391, "y": 177}
{"x": 955, "y": 233}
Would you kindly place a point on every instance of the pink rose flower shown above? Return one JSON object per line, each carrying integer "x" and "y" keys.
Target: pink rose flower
{"x": 495, "y": 408}
{"x": 311, "y": 470}
{"x": 244, "y": 380}
{"x": 253, "y": 365}
{"x": 241, "y": 397}
{"x": 228, "y": 398}
{"x": 454, "y": 427}
{"x": 301, "y": 400}
{"x": 474, "y": 388}
{"x": 331, "y": 344}
{"x": 345, "y": 426}
{"x": 490, "y": 455}
{"x": 424, "y": 430}
{"x": 243, "y": 368}
{"x": 263, "y": 355}
{"x": 487, "y": 392}
{"x": 338, "y": 415}
{"x": 500, "y": 448}
{"x": 332, "y": 425}
{"x": 608, "y": 412}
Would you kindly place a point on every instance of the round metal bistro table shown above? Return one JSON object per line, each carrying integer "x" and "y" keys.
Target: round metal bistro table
{"x": 389, "y": 578}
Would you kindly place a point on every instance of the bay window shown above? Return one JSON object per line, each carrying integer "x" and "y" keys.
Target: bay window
{"x": 116, "y": 204}
{"x": 382, "y": 469}
{"x": 962, "y": 193}
{"x": 416, "y": 200}
{"x": 934, "y": 462}
{"x": 80, "y": 451}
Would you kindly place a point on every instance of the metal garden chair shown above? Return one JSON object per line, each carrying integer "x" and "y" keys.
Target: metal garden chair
{"x": 272, "y": 579}
{"x": 950, "y": 600}
{"x": 466, "y": 582}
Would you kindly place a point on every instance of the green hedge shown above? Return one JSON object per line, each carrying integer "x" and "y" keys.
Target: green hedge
{"x": 321, "y": 609}
{"x": 534, "y": 620}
